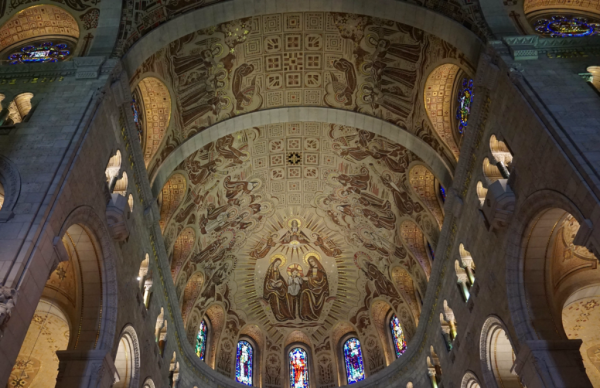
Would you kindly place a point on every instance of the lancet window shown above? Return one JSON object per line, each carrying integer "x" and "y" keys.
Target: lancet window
{"x": 201, "y": 340}
{"x": 398, "y": 338}
{"x": 298, "y": 359}
{"x": 244, "y": 363}
{"x": 353, "y": 359}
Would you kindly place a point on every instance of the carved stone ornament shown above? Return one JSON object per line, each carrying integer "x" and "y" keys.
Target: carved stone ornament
{"x": 8, "y": 298}
{"x": 499, "y": 204}
{"x": 116, "y": 217}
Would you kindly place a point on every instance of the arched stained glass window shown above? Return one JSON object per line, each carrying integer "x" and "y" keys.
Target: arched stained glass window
{"x": 298, "y": 368}
{"x": 201, "y": 340}
{"x": 465, "y": 99}
{"x": 355, "y": 369}
{"x": 397, "y": 336}
{"x": 244, "y": 363}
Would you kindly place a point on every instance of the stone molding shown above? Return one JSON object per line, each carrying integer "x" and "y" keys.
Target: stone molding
{"x": 528, "y": 47}
{"x": 81, "y": 68}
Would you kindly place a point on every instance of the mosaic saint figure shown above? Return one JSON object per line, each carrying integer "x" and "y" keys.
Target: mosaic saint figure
{"x": 275, "y": 292}
{"x": 315, "y": 291}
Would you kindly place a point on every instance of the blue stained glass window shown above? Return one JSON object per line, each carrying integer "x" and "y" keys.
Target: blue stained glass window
{"x": 201, "y": 340}
{"x": 244, "y": 363}
{"x": 431, "y": 251}
{"x": 355, "y": 369}
{"x": 397, "y": 336}
{"x": 298, "y": 368}
{"x": 443, "y": 193}
{"x": 465, "y": 99}
{"x": 563, "y": 26}
{"x": 40, "y": 53}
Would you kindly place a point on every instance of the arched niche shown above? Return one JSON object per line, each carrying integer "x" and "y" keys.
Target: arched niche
{"x": 181, "y": 251}
{"x": 414, "y": 239}
{"x": 190, "y": 294}
{"x": 405, "y": 284}
{"x": 152, "y": 114}
{"x": 448, "y": 96}
{"x": 352, "y": 359}
{"x": 246, "y": 361}
{"x": 425, "y": 185}
{"x": 215, "y": 314}
{"x": 339, "y": 334}
{"x": 148, "y": 383}
{"x": 127, "y": 359}
{"x": 52, "y": 38}
{"x": 37, "y": 364}
{"x": 171, "y": 196}
{"x": 255, "y": 336}
{"x": 381, "y": 313}
{"x": 497, "y": 355}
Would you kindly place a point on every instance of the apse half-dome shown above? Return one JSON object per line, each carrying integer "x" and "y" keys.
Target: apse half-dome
{"x": 39, "y": 34}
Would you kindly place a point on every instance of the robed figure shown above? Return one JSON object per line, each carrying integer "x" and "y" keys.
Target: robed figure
{"x": 315, "y": 291}
{"x": 276, "y": 292}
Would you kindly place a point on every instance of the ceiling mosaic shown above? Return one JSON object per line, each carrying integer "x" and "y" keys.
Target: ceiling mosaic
{"x": 296, "y": 227}
{"x": 37, "y": 363}
{"x": 44, "y": 20}
{"x": 580, "y": 320}
{"x": 345, "y": 61}
{"x": 141, "y": 16}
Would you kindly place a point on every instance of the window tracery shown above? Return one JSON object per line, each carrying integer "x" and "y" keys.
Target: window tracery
{"x": 298, "y": 360}
{"x": 244, "y": 360}
{"x": 567, "y": 26}
{"x": 353, "y": 359}
{"x": 397, "y": 336}
{"x": 201, "y": 340}
{"x": 42, "y": 52}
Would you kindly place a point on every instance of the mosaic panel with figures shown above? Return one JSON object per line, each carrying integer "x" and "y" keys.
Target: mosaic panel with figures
{"x": 299, "y": 227}
{"x": 344, "y": 61}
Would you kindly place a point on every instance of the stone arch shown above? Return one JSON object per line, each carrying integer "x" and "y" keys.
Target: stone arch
{"x": 521, "y": 232}
{"x": 501, "y": 152}
{"x": 448, "y": 325}
{"x": 148, "y": 383}
{"x": 30, "y": 367}
{"x": 171, "y": 196}
{"x": 121, "y": 185}
{"x": 154, "y": 114}
{"x": 127, "y": 359}
{"x": 497, "y": 355}
{"x": 113, "y": 169}
{"x": 428, "y": 155}
{"x": 426, "y": 187}
{"x": 256, "y": 375}
{"x": 10, "y": 184}
{"x": 253, "y": 334}
{"x": 19, "y": 109}
{"x": 439, "y": 96}
{"x": 59, "y": 24}
{"x": 490, "y": 172}
{"x": 481, "y": 192}
{"x": 94, "y": 231}
{"x": 339, "y": 333}
{"x": 190, "y": 294}
{"x": 470, "y": 380}
{"x": 342, "y": 367}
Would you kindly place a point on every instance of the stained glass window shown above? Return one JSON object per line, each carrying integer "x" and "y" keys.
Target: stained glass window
{"x": 465, "y": 99}
{"x": 136, "y": 118}
{"x": 443, "y": 193}
{"x": 431, "y": 251}
{"x": 201, "y": 340}
{"x": 40, "y": 53}
{"x": 355, "y": 369}
{"x": 298, "y": 368}
{"x": 397, "y": 336}
{"x": 244, "y": 363}
{"x": 560, "y": 26}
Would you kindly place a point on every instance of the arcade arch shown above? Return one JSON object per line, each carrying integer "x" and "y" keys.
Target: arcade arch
{"x": 497, "y": 355}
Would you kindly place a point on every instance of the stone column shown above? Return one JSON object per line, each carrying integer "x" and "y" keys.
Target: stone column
{"x": 85, "y": 369}
{"x": 551, "y": 364}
